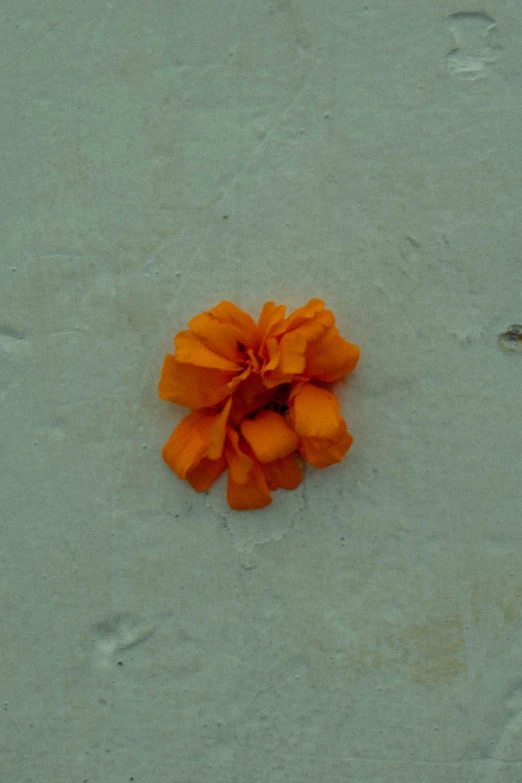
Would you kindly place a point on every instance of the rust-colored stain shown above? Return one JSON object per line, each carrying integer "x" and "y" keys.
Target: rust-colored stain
{"x": 436, "y": 650}
{"x": 432, "y": 653}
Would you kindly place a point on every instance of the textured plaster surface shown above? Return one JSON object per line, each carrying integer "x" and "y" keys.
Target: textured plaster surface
{"x": 156, "y": 158}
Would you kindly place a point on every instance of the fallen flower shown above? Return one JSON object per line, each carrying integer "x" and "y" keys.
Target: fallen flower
{"x": 259, "y": 397}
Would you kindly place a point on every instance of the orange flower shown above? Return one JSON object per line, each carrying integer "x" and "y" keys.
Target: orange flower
{"x": 259, "y": 396}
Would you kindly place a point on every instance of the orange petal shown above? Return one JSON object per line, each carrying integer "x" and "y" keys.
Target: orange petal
{"x": 311, "y": 311}
{"x": 292, "y": 352}
{"x": 271, "y": 373}
{"x": 330, "y": 357}
{"x": 284, "y": 352}
{"x": 194, "y": 387}
{"x": 251, "y": 396}
{"x": 283, "y": 473}
{"x": 253, "y": 493}
{"x": 203, "y": 475}
{"x": 217, "y": 431}
{"x": 188, "y": 443}
{"x": 314, "y": 411}
{"x": 191, "y": 350}
{"x": 198, "y": 435}
{"x": 271, "y": 316}
{"x": 239, "y": 463}
{"x": 313, "y": 328}
{"x": 269, "y": 436}
{"x": 226, "y": 330}
{"x": 323, "y": 452}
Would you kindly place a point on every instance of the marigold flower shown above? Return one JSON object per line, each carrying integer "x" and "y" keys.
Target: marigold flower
{"x": 259, "y": 397}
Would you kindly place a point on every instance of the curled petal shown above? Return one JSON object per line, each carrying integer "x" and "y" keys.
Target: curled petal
{"x": 313, "y": 328}
{"x": 239, "y": 463}
{"x": 226, "y": 330}
{"x": 250, "y": 396}
{"x": 250, "y": 494}
{"x": 292, "y": 353}
{"x": 198, "y": 435}
{"x": 271, "y": 316}
{"x": 302, "y": 315}
{"x": 323, "y": 452}
{"x": 191, "y": 350}
{"x": 247, "y": 487}
{"x": 193, "y": 387}
{"x": 286, "y": 349}
{"x": 323, "y": 437}
{"x": 314, "y": 411}
{"x": 272, "y": 354}
{"x": 281, "y": 359}
{"x": 217, "y": 431}
{"x": 283, "y": 473}
{"x": 203, "y": 475}
{"x": 269, "y": 436}
{"x": 330, "y": 358}
{"x": 188, "y": 443}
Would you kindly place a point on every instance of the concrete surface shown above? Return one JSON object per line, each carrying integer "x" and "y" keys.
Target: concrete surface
{"x": 158, "y": 156}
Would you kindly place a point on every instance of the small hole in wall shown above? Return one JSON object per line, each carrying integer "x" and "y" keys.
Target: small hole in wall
{"x": 511, "y": 339}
